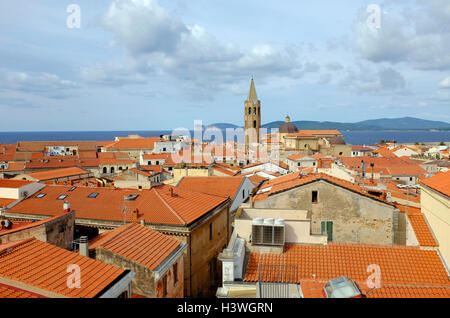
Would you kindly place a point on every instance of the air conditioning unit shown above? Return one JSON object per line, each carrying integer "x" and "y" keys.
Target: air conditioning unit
{"x": 268, "y": 232}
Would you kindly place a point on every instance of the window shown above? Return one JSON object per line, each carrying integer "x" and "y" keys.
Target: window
{"x": 315, "y": 197}
{"x": 149, "y": 163}
{"x": 62, "y": 197}
{"x": 210, "y": 231}
{"x": 175, "y": 273}
{"x": 157, "y": 163}
{"x": 314, "y": 163}
{"x": 299, "y": 164}
{"x": 105, "y": 170}
{"x": 71, "y": 189}
{"x": 243, "y": 194}
{"x": 254, "y": 124}
{"x": 41, "y": 195}
{"x": 410, "y": 179}
{"x": 254, "y": 110}
{"x": 93, "y": 195}
{"x": 327, "y": 229}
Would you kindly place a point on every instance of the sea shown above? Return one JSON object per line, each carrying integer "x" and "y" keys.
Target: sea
{"x": 352, "y": 137}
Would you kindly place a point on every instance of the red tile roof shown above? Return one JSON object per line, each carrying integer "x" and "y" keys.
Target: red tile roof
{"x": 156, "y": 205}
{"x": 57, "y": 173}
{"x": 20, "y": 226}
{"x": 422, "y": 230}
{"x": 13, "y": 292}
{"x": 137, "y": 243}
{"x": 6, "y": 202}
{"x": 44, "y": 266}
{"x": 295, "y": 180}
{"x": 221, "y": 186}
{"x": 14, "y": 166}
{"x": 13, "y": 184}
{"x": 131, "y": 143}
{"x": 440, "y": 182}
{"x": 403, "y": 267}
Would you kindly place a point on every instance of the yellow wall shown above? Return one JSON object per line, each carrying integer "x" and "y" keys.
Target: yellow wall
{"x": 179, "y": 173}
{"x": 436, "y": 208}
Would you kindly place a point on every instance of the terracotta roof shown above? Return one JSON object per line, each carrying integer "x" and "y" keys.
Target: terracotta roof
{"x": 221, "y": 186}
{"x": 440, "y": 182}
{"x": 295, "y": 180}
{"x": 227, "y": 166}
{"x": 224, "y": 171}
{"x": 137, "y": 243}
{"x": 87, "y": 154}
{"x": 29, "y": 225}
{"x": 156, "y": 205}
{"x": 13, "y": 184}
{"x": 403, "y": 267}
{"x": 131, "y": 143}
{"x": 44, "y": 266}
{"x": 14, "y": 166}
{"x": 57, "y": 173}
{"x": 13, "y": 292}
{"x": 39, "y": 146}
{"x": 422, "y": 230}
{"x": 6, "y": 202}
{"x": 257, "y": 180}
{"x": 411, "y": 209}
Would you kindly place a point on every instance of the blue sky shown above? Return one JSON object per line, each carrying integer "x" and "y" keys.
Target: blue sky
{"x": 150, "y": 65}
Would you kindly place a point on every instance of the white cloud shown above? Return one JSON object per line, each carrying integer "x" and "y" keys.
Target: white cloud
{"x": 419, "y": 35}
{"x": 157, "y": 42}
{"x": 41, "y": 84}
{"x": 445, "y": 83}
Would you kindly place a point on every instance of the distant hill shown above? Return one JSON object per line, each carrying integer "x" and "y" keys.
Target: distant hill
{"x": 405, "y": 123}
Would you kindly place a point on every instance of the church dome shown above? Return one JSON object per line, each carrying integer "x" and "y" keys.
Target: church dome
{"x": 287, "y": 127}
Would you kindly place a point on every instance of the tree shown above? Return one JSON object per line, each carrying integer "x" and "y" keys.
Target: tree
{"x": 442, "y": 143}
{"x": 382, "y": 142}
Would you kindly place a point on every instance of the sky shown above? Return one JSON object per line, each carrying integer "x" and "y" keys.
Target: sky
{"x": 161, "y": 64}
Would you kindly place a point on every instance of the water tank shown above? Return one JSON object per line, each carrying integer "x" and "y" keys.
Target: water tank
{"x": 258, "y": 221}
{"x": 279, "y": 222}
{"x": 268, "y": 221}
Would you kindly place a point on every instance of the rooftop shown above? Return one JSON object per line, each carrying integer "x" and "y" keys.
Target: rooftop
{"x": 221, "y": 186}
{"x": 57, "y": 173}
{"x": 440, "y": 182}
{"x": 44, "y": 266}
{"x": 137, "y": 243}
{"x": 156, "y": 205}
{"x": 13, "y": 184}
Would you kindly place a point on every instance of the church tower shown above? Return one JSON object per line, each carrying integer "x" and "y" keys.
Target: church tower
{"x": 252, "y": 117}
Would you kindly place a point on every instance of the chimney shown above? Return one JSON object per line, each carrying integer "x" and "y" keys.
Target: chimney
{"x": 143, "y": 222}
{"x": 84, "y": 246}
{"x": 171, "y": 191}
{"x": 66, "y": 206}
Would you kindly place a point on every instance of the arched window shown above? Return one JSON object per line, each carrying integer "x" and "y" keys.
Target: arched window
{"x": 112, "y": 169}
{"x": 254, "y": 110}
{"x": 254, "y": 124}
{"x": 249, "y": 110}
{"x": 105, "y": 170}
{"x": 120, "y": 168}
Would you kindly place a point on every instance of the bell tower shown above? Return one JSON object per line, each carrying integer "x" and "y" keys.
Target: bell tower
{"x": 252, "y": 117}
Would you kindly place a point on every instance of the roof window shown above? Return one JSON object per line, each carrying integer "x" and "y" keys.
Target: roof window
{"x": 62, "y": 197}
{"x": 93, "y": 195}
{"x": 41, "y": 195}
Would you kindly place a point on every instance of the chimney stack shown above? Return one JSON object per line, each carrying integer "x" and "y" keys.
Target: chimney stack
{"x": 66, "y": 206}
{"x": 84, "y": 246}
{"x": 171, "y": 191}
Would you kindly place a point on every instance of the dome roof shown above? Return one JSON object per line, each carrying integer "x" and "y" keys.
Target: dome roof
{"x": 288, "y": 128}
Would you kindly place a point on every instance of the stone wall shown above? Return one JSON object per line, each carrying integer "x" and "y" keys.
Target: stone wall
{"x": 356, "y": 218}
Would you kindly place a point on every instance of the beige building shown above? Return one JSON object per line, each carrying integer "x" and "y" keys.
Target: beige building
{"x": 344, "y": 211}
{"x": 435, "y": 203}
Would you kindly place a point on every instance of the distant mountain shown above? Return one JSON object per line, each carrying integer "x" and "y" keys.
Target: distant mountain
{"x": 405, "y": 123}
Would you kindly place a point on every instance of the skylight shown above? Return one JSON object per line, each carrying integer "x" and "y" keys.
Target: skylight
{"x": 71, "y": 189}
{"x": 62, "y": 197}
{"x": 131, "y": 197}
{"x": 41, "y": 195}
{"x": 93, "y": 195}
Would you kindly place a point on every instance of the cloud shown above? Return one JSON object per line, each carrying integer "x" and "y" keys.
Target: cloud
{"x": 40, "y": 84}
{"x": 158, "y": 43}
{"x": 419, "y": 35}
{"x": 445, "y": 83}
{"x": 367, "y": 80}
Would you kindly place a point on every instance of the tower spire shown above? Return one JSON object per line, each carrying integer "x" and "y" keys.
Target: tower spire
{"x": 252, "y": 97}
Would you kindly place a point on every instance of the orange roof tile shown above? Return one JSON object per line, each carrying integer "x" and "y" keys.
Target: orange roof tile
{"x": 137, "y": 243}
{"x": 400, "y": 266}
{"x": 224, "y": 171}
{"x": 6, "y": 202}
{"x": 14, "y": 166}
{"x": 130, "y": 143}
{"x": 440, "y": 182}
{"x": 20, "y": 226}
{"x": 13, "y": 184}
{"x": 221, "y": 186}
{"x": 44, "y": 266}
{"x": 13, "y": 292}
{"x": 156, "y": 205}
{"x": 422, "y": 230}
{"x": 295, "y": 180}
{"x": 57, "y": 173}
